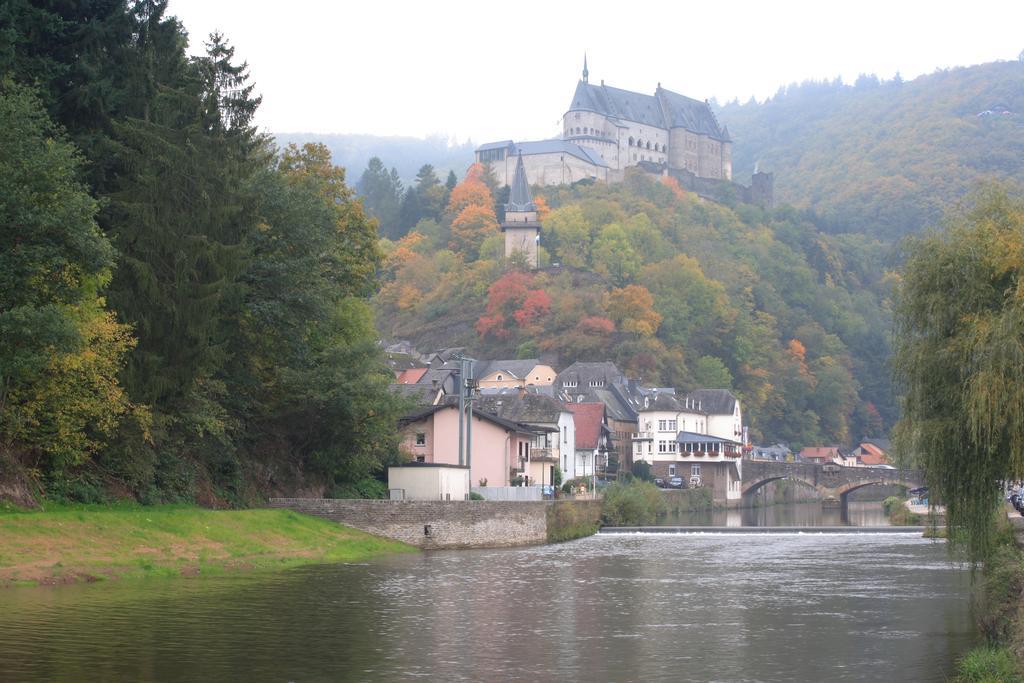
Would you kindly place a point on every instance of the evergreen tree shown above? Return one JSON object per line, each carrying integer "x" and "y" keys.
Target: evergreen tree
{"x": 382, "y": 195}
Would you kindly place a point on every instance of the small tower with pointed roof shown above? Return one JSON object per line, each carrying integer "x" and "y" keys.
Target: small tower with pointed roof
{"x": 521, "y": 226}
{"x": 586, "y": 74}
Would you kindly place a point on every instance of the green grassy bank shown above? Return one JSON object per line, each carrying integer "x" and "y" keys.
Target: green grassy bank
{"x": 86, "y": 543}
{"x": 998, "y": 595}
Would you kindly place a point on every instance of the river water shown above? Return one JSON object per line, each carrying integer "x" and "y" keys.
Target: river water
{"x": 686, "y": 607}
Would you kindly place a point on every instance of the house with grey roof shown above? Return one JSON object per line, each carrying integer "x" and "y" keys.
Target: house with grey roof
{"x": 724, "y": 416}
{"x": 554, "y": 444}
{"x": 496, "y": 449}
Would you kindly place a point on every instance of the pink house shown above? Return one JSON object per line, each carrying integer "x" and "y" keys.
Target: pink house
{"x": 500, "y": 448}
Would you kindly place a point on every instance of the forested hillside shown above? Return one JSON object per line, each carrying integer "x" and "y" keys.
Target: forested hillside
{"x": 675, "y": 290}
{"x": 885, "y": 158}
{"x": 184, "y": 308}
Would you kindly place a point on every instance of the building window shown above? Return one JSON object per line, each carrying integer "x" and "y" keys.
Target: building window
{"x": 565, "y": 434}
{"x": 421, "y": 458}
{"x": 694, "y": 470}
{"x": 671, "y": 470}
{"x": 597, "y": 382}
{"x": 630, "y": 141}
{"x": 499, "y": 378}
{"x": 569, "y": 384}
{"x": 421, "y": 439}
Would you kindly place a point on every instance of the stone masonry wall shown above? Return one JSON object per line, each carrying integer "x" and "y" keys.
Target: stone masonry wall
{"x": 435, "y": 524}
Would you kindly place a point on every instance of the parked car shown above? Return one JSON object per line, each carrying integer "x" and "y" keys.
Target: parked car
{"x": 676, "y": 483}
{"x": 660, "y": 483}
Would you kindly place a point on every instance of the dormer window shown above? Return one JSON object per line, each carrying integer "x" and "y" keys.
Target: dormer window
{"x": 597, "y": 383}
{"x": 569, "y": 384}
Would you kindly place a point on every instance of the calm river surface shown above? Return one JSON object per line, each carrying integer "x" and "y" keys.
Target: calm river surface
{"x": 698, "y": 607}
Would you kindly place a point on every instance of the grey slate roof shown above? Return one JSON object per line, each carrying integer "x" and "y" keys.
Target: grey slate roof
{"x": 660, "y": 401}
{"x": 542, "y": 389}
{"x": 714, "y": 401}
{"x": 444, "y": 378}
{"x": 421, "y": 394}
{"x": 519, "y": 198}
{"x": 547, "y": 147}
{"x": 616, "y": 403}
{"x": 604, "y": 371}
{"x": 528, "y": 408}
{"x": 693, "y": 437}
{"x": 483, "y": 415}
{"x": 665, "y": 109}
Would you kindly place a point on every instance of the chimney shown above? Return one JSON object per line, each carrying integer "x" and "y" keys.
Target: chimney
{"x": 522, "y": 391}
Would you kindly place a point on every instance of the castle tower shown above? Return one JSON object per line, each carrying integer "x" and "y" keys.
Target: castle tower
{"x": 521, "y": 227}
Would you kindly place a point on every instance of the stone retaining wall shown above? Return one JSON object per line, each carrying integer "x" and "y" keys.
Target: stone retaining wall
{"x": 442, "y": 524}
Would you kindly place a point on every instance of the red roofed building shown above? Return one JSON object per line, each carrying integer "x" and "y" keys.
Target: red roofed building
{"x": 592, "y": 434}
{"x": 873, "y": 452}
{"x": 825, "y": 455}
{"x": 410, "y": 375}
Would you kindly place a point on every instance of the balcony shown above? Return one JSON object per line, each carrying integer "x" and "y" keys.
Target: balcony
{"x": 541, "y": 455}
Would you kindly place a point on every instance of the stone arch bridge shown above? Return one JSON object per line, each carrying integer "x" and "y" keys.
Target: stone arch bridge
{"x": 831, "y": 481}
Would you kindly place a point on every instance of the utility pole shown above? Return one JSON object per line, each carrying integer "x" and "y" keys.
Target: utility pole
{"x": 462, "y": 411}
{"x": 466, "y": 384}
{"x": 470, "y": 387}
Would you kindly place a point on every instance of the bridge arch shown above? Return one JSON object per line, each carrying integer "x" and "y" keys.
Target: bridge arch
{"x": 844, "y": 491}
{"x": 831, "y": 481}
{"x": 749, "y": 489}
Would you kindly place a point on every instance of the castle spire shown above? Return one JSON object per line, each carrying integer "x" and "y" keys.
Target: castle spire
{"x": 519, "y": 197}
{"x": 586, "y": 74}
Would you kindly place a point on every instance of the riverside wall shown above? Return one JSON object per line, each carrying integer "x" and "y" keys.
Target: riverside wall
{"x": 456, "y": 524}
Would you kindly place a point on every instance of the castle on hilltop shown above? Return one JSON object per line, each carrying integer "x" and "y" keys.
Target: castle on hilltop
{"x": 607, "y": 130}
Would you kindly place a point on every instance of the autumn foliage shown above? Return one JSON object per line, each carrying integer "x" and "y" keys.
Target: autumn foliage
{"x": 632, "y": 307}
{"x": 673, "y": 184}
{"x": 513, "y": 307}
{"x": 471, "y": 227}
{"x": 543, "y": 210}
{"x": 472, "y": 191}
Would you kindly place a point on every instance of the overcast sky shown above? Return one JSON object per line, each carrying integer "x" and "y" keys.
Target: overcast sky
{"x": 491, "y": 71}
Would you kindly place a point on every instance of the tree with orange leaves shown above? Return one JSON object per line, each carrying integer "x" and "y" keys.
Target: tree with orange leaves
{"x": 632, "y": 309}
{"x": 673, "y": 184}
{"x": 469, "y": 192}
{"x": 471, "y": 227}
{"x": 542, "y": 207}
{"x": 513, "y": 307}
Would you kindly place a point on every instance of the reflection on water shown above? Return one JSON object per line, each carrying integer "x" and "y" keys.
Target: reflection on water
{"x": 856, "y": 513}
{"x": 607, "y": 608}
